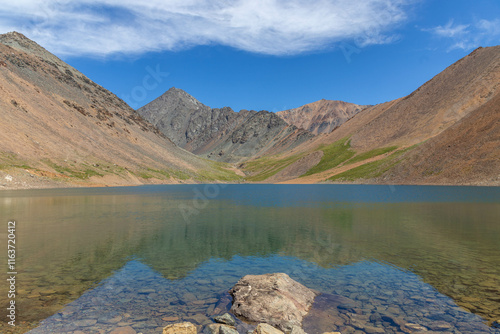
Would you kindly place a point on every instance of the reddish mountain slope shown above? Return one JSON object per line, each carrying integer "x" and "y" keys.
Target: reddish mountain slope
{"x": 321, "y": 116}
{"x": 465, "y": 153}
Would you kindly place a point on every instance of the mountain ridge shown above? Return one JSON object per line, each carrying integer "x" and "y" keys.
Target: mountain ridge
{"x": 219, "y": 133}
{"x": 322, "y": 116}
{"x": 387, "y": 134}
{"x": 59, "y": 127}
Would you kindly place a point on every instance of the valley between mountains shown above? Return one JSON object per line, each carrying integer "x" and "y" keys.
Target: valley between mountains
{"x": 60, "y": 129}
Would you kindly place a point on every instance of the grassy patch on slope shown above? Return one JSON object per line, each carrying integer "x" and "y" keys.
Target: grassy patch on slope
{"x": 82, "y": 173}
{"x": 160, "y": 174}
{"x": 333, "y": 155}
{"x": 219, "y": 172}
{"x": 372, "y": 169}
{"x": 265, "y": 167}
{"x": 11, "y": 160}
{"x": 371, "y": 154}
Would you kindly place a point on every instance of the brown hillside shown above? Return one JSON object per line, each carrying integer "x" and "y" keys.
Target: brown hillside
{"x": 432, "y": 108}
{"x": 436, "y": 105}
{"x": 56, "y": 122}
{"x": 466, "y": 153}
{"x": 453, "y": 117}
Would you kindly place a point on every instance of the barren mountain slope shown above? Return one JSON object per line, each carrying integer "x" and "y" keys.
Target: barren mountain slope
{"x": 58, "y": 123}
{"x": 375, "y": 140}
{"x": 219, "y": 134}
{"x": 467, "y": 153}
{"x": 442, "y": 101}
{"x": 321, "y": 116}
{"x": 439, "y": 103}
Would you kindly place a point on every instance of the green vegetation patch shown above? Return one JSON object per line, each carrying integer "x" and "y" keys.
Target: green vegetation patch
{"x": 73, "y": 171}
{"x": 144, "y": 175}
{"x": 333, "y": 155}
{"x": 371, "y": 154}
{"x": 87, "y": 173}
{"x": 219, "y": 172}
{"x": 180, "y": 175}
{"x": 160, "y": 174}
{"x": 163, "y": 173}
{"x": 264, "y": 168}
{"x": 11, "y": 160}
{"x": 372, "y": 169}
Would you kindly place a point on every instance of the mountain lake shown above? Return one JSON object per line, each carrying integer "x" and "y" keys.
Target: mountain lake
{"x": 404, "y": 258}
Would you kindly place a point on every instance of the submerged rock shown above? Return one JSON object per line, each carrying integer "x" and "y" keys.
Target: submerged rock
{"x": 219, "y": 329}
{"x": 224, "y": 329}
{"x": 123, "y": 330}
{"x": 331, "y": 312}
{"x": 297, "y": 330}
{"x": 212, "y": 329}
{"x": 440, "y": 326}
{"x": 180, "y": 328}
{"x": 266, "y": 329}
{"x": 226, "y": 318}
{"x": 416, "y": 327}
{"x": 275, "y": 299}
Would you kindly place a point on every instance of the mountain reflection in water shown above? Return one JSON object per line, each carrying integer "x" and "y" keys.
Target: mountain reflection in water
{"x": 74, "y": 242}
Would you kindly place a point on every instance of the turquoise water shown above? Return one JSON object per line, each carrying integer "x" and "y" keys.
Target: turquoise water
{"x": 144, "y": 257}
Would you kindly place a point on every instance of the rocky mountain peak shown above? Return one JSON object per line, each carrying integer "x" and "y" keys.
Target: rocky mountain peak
{"x": 177, "y": 95}
{"x": 15, "y": 36}
{"x": 217, "y": 133}
{"x": 22, "y": 43}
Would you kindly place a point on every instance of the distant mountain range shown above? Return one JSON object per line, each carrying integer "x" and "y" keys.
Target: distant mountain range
{"x": 60, "y": 128}
{"x": 219, "y": 134}
{"x": 225, "y": 135}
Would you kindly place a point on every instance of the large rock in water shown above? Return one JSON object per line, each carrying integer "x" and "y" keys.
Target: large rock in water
{"x": 275, "y": 299}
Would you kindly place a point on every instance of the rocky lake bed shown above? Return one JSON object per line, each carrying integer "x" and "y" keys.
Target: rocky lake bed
{"x": 381, "y": 259}
{"x": 365, "y": 298}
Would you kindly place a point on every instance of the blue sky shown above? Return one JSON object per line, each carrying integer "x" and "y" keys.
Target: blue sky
{"x": 258, "y": 54}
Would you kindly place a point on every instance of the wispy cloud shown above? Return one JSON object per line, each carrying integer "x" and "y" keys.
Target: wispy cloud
{"x": 450, "y": 30}
{"x": 276, "y": 27}
{"x": 468, "y": 36}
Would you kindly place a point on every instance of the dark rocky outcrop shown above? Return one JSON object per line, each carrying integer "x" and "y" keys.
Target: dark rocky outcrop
{"x": 186, "y": 120}
{"x": 219, "y": 133}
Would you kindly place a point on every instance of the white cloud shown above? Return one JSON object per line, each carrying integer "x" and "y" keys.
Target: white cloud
{"x": 469, "y": 36}
{"x": 450, "y": 30}
{"x": 277, "y": 27}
